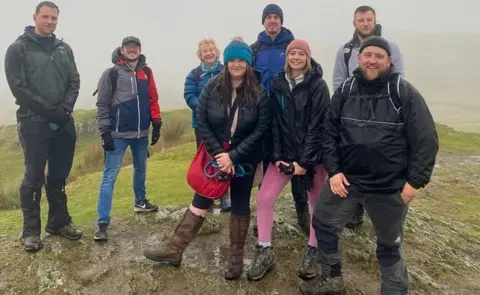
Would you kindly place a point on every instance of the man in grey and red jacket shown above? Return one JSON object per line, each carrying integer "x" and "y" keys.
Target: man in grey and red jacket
{"x": 127, "y": 103}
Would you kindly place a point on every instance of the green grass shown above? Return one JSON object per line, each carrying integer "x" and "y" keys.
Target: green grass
{"x": 166, "y": 184}
{"x": 88, "y": 154}
{"x": 458, "y": 142}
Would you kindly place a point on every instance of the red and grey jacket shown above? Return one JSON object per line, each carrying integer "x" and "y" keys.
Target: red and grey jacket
{"x": 127, "y": 111}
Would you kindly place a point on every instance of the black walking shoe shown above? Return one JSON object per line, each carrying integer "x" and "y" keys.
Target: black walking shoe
{"x": 101, "y": 233}
{"x": 68, "y": 232}
{"x": 31, "y": 243}
{"x": 145, "y": 207}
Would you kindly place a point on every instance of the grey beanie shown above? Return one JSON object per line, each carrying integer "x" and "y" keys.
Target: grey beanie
{"x": 272, "y": 9}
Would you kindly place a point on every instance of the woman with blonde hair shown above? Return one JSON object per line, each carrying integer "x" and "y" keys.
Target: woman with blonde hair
{"x": 210, "y": 66}
{"x": 231, "y": 109}
{"x": 300, "y": 98}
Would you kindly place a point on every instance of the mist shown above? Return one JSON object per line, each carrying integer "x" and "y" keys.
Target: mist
{"x": 440, "y": 43}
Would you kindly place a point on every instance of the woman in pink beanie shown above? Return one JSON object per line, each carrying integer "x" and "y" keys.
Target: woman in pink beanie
{"x": 299, "y": 98}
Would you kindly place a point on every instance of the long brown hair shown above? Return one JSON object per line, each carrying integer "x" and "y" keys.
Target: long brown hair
{"x": 249, "y": 85}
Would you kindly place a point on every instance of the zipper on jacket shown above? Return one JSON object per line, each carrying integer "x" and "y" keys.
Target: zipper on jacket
{"x": 118, "y": 119}
{"x": 138, "y": 103}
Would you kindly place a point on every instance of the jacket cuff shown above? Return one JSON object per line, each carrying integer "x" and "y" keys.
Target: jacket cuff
{"x": 233, "y": 154}
{"x": 415, "y": 182}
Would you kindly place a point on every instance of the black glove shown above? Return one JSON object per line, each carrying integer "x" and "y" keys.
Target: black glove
{"x": 156, "y": 125}
{"x": 60, "y": 116}
{"x": 107, "y": 142}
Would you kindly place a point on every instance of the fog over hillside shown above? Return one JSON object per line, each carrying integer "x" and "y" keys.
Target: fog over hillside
{"x": 440, "y": 43}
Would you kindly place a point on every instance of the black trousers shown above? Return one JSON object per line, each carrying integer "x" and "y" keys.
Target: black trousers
{"x": 42, "y": 145}
{"x": 387, "y": 213}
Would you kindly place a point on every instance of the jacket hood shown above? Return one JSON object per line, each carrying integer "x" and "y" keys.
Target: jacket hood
{"x": 117, "y": 58}
{"x": 285, "y": 36}
{"x": 30, "y": 35}
{"x": 316, "y": 68}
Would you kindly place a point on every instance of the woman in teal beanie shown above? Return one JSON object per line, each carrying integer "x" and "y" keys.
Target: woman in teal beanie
{"x": 231, "y": 108}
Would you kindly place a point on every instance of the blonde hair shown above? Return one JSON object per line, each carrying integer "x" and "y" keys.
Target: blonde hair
{"x": 307, "y": 68}
{"x": 206, "y": 42}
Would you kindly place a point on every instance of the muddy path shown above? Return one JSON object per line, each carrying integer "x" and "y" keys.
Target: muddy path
{"x": 442, "y": 254}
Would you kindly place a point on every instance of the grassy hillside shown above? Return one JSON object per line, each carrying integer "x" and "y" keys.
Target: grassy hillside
{"x": 166, "y": 182}
{"x": 442, "y": 237}
{"x": 89, "y": 153}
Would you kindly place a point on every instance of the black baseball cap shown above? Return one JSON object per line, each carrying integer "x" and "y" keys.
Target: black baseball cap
{"x": 131, "y": 39}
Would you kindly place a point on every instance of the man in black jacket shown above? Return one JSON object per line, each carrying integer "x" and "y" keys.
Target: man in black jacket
{"x": 380, "y": 146}
{"x": 43, "y": 77}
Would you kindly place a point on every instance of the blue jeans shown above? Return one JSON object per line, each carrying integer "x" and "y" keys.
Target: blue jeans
{"x": 113, "y": 163}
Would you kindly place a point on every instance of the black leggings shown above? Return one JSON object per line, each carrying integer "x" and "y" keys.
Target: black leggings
{"x": 240, "y": 190}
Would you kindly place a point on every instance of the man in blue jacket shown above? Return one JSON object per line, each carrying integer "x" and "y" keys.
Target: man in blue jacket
{"x": 269, "y": 59}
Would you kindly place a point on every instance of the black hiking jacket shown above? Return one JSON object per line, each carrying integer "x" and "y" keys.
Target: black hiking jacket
{"x": 253, "y": 122}
{"x": 377, "y": 144}
{"x": 298, "y": 118}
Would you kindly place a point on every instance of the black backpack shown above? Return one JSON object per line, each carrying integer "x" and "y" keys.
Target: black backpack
{"x": 113, "y": 74}
{"x": 347, "y": 48}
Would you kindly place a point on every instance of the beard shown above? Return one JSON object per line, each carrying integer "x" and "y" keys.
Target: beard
{"x": 361, "y": 34}
{"x": 371, "y": 74}
{"x": 129, "y": 59}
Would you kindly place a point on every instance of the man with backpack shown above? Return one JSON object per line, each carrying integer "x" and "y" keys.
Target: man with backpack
{"x": 127, "y": 103}
{"x": 380, "y": 147}
{"x": 269, "y": 60}
{"x": 346, "y": 62}
{"x": 365, "y": 24}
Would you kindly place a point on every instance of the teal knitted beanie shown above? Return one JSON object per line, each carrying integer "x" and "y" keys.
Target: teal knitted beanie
{"x": 237, "y": 48}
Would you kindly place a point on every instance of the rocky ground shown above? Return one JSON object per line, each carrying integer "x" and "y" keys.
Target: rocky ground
{"x": 443, "y": 252}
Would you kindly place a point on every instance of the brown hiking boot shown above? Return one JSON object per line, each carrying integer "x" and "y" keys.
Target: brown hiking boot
{"x": 183, "y": 235}
{"x": 238, "y": 234}
{"x": 322, "y": 286}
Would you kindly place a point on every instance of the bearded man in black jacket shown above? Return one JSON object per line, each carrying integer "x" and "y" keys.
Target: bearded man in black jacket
{"x": 380, "y": 146}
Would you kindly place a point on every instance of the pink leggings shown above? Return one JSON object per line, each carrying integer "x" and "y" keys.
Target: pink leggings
{"x": 272, "y": 185}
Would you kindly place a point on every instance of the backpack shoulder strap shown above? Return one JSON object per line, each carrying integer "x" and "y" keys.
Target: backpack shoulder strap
{"x": 113, "y": 78}
{"x": 113, "y": 75}
{"x": 394, "y": 92}
{"x": 255, "y": 47}
{"x": 196, "y": 75}
{"x": 347, "y": 53}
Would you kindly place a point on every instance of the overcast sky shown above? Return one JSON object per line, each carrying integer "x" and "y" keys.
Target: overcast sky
{"x": 170, "y": 30}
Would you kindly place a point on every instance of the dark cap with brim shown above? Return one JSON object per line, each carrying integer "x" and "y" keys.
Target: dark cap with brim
{"x": 131, "y": 39}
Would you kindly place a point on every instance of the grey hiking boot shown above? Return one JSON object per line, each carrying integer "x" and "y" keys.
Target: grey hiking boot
{"x": 322, "y": 286}
{"x": 308, "y": 269}
{"x": 31, "y": 243}
{"x": 68, "y": 232}
{"x": 263, "y": 262}
{"x": 101, "y": 233}
{"x": 146, "y": 206}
